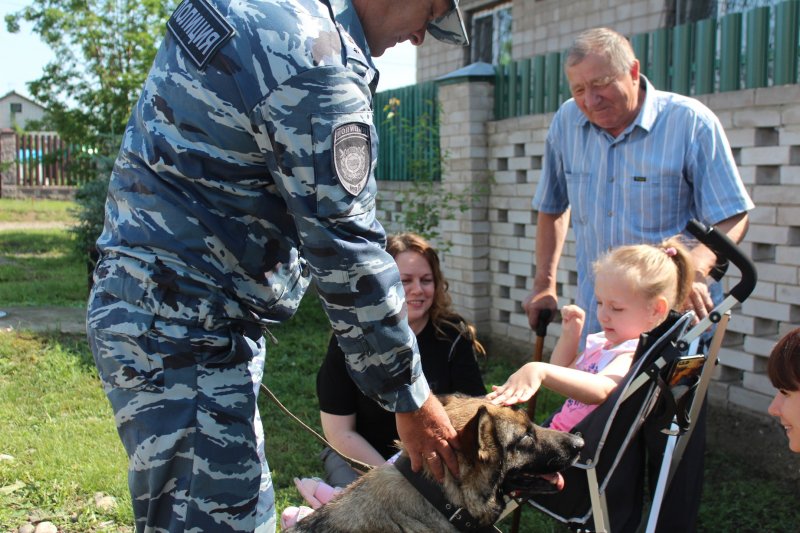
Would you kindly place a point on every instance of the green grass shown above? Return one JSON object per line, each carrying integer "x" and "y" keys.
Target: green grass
{"x": 39, "y": 267}
{"x": 737, "y": 498}
{"x": 36, "y": 210}
{"x": 58, "y": 427}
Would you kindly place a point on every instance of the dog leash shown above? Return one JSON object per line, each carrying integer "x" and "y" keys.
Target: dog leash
{"x": 358, "y": 465}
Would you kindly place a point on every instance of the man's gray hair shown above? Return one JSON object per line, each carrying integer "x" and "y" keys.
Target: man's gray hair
{"x": 604, "y": 42}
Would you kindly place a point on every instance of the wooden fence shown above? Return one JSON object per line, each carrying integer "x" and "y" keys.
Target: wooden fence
{"x": 757, "y": 48}
{"x": 44, "y": 160}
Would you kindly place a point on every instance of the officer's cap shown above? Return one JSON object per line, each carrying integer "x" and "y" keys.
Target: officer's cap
{"x": 449, "y": 28}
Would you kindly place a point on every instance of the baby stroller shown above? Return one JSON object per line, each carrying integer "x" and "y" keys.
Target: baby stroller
{"x": 663, "y": 391}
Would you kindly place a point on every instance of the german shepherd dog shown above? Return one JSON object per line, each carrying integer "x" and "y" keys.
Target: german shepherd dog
{"x": 502, "y": 452}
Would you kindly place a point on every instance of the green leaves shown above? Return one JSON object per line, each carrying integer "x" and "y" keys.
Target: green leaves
{"x": 103, "y": 51}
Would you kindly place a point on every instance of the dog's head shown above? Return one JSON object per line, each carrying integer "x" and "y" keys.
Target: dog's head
{"x": 526, "y": 458}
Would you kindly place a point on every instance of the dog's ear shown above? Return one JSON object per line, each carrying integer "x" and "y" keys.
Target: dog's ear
{"x": 478, "y": 436}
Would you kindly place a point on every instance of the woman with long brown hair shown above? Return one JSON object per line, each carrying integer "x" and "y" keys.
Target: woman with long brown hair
{"x": 783, "y": 369}
{"x": 358, "y": 426}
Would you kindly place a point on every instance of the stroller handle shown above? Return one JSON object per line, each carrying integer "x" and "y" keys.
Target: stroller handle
{"x": 726, "y": 250}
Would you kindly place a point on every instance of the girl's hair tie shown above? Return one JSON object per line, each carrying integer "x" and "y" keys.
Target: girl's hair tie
{"x": 671, "y": 251}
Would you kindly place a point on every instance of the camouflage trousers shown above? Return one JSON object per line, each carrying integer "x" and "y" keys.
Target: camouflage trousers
{"x": 184, "y": 401}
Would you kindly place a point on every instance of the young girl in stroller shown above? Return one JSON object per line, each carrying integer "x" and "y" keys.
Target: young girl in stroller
{"x": 636, "y": 287}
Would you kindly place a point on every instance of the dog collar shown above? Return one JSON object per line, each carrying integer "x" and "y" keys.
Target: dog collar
{"x": 461, "y": 519}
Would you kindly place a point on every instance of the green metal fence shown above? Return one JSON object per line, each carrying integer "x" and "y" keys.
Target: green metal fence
{"x": 409, "y": 140}
{"x": 757, "y": 48}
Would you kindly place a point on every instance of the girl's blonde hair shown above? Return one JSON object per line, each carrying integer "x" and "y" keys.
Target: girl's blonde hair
{"x": 441, "y": 311}
{"x": 665, "y": 269}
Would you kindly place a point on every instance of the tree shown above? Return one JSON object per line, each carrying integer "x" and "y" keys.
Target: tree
{"x": 103, "y": 50}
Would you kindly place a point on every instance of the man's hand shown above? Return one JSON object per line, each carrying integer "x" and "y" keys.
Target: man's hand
{"x": 699, "y": 299}
{"x": 428, "y": 436}
{"x": 536, "y": 302}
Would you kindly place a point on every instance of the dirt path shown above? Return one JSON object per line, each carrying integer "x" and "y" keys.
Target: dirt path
{"x": 34, "y": 224}
{"x": 63, "y": 319}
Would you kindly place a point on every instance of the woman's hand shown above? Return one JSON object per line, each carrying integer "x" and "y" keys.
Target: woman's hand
{"x": 519, "y": 387}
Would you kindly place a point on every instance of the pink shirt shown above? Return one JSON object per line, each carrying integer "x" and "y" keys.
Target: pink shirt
{"x": 596, "y": 356}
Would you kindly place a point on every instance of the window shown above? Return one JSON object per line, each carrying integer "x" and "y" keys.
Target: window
{"x": 693, "y": 10}
{"x": 16, "y": 107}
{"x": 684, "y": 11}
{"x": 491, "y": 35}
{"x": 739, "y": 6}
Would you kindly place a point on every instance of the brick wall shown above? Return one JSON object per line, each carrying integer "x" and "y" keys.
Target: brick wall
{"x": 763, "y": 127}
{"x": 549, "y": 25}
{"x": 387, "y": 205}
{"x": 435, "y": 59}
{"x": 545, "y": 26}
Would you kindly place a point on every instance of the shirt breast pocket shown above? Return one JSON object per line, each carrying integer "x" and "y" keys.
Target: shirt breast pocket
{"x": 655, "y": 202}
{"x": 580, "y": 194}
{"x": 345, "y": 150}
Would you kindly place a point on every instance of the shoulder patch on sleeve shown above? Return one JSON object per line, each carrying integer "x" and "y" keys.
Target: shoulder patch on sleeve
{"x": 199, "y": 29}
{"x": 352, "y": 155}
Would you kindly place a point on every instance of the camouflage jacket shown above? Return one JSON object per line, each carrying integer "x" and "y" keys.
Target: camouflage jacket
{"x": 246, "y": 169}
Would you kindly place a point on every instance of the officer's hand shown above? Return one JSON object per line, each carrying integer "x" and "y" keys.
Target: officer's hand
{"x": 428, "y": 436}
{"x": 536, "y": 302}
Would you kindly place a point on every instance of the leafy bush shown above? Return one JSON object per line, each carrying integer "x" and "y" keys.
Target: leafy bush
{"x": 90, "y": 213}
{"x": 91, "y": 200}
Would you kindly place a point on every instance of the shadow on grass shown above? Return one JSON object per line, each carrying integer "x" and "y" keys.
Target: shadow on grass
{"x": 31, "y": 348}
{"x": 41, "y": 267}
{"x": 36, "y": 242}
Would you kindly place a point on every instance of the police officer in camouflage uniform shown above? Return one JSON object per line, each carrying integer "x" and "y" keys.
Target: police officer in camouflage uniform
{"x": 245, "y": 171}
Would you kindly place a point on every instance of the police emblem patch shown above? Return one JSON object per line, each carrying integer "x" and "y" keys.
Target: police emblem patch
{"x": 352, "y": 155}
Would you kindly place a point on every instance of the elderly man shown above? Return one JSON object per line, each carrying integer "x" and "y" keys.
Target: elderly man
{"x": 630, "y": 164}
{"x": 245, "y": 171}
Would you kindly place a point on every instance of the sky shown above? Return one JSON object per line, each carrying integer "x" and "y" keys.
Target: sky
{"x": 28, "y": 55}
{"x": 24, "y": 54}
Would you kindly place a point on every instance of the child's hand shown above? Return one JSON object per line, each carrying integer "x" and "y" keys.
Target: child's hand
{"x": 518, "y": 388}
{"x": 315, "y": 491}
{"x": 572, "y": 319}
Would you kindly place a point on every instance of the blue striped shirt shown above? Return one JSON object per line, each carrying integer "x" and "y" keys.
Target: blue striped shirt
{"x": 672, "y": 164}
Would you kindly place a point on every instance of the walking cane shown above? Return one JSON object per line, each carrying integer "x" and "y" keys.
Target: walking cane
{"x": 545, "y": 315}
